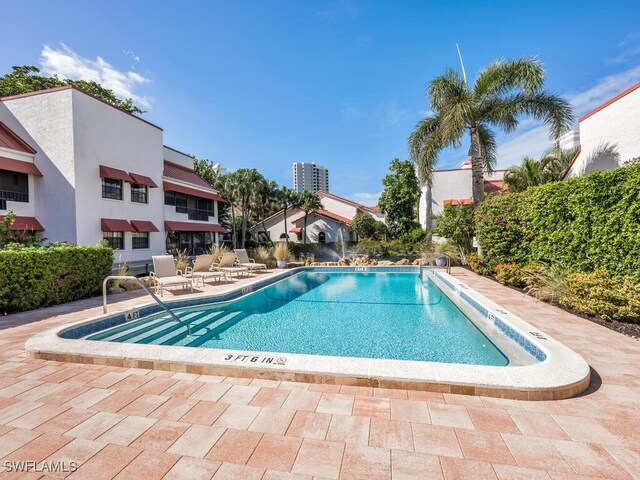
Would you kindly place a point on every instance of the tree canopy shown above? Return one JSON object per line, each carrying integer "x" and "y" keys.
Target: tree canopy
{"x": 532, "y": 172}
{"x": 502, "y": 93}
{"x": 27, "y": 79}
{"x": 400, "y": 197}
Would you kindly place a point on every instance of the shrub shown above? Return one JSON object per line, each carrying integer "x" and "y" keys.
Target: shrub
{"x": 584, "y": 224}
{"x": 456, "y": 224}
{"x": 364, "y": 225}
{"x": 373, "y": 247}
{"x": 511, "y": 274}
{"x": 478, "y": 264}
{"x": 34, "y": 277}
{"x": 597, "y": 293}
{"x": 282, "y": 253}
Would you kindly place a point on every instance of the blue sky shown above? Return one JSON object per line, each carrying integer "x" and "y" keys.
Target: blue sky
{"x": 265, "y": 83}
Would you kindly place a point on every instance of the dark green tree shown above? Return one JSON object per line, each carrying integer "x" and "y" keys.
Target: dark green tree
{"x": 400, "y": 197}
{"x": 308, "y": 201}
{"x": 455, "y": 223}
{"x": 364, "y": 225}
{"x": 501, "y": 95}
{"x": 27, "y": 79}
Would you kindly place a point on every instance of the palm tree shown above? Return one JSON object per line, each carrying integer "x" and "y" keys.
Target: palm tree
{"x": 288, "y": 199}
{"x": 228, "y": 187}
{"x": 308, "y": 201}
{"x": 531, "y": 172}
{"x": 502, "y": 93}
{"x": 264, "y": 195}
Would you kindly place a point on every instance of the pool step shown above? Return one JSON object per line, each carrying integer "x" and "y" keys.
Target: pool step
{"x": 174, "y": 335}
{"x": 226, "y": 322}
{"x": 125, "y": 333}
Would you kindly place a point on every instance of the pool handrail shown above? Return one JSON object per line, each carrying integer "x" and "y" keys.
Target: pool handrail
{"x": 147, "y": 290}
{"x": 447, "y": 266}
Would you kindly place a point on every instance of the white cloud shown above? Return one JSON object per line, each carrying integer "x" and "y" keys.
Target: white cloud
{"x": 67, "y": 64}
{"x": 366, "y": 198}
{"x": 533, "y": 140}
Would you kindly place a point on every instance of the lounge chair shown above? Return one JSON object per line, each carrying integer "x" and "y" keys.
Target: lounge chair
{"x": 228, "y": 265}
{"x": 245, "y": 261}
{"x": 165, "y": 274}
{"x": 201, "y": 270}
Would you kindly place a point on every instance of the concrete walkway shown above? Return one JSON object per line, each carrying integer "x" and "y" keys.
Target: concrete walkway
{"x": 143, "y": 424}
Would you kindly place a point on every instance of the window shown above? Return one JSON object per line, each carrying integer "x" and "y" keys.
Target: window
{"x": 284, "y": 236}
{"x": 139, "y": 193}
{"x": 14, "y": 187}
{"x": 322, "y": 237}
{"x": 140, "y": 240}
{"x": 112, "y": 188}
{"x": 169, "y": 198}
{"x": 114, "y": 239}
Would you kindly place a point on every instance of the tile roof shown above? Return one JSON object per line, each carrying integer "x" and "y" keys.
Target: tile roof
{"x": 324, "y": 213}
{"x": 322, "y": 193}
{"x": 184, "y": 174}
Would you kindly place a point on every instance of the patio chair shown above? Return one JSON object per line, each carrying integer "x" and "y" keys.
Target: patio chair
{"x": 228, "y": 265}
{"x": 201, "y": 270}
{"x": 165, "y": 274}
{"x": 245, "y": 261}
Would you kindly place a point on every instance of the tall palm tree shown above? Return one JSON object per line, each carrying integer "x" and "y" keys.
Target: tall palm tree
{"x": 308, "y": 201}
{"x": 502, "y": 93}
{"x": 264, "y": 195}
{"x": 228, "y": 187}
{"x": 288, "y": 199}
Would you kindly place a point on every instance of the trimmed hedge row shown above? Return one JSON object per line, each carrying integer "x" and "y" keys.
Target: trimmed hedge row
{"x": 582, "y": 224}
{"x": 34, "y": 277}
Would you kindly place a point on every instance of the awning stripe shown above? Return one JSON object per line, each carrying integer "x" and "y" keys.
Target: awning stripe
{"x": 25, "y": 224}
{"x": 142, "y": 180}
{"x": 115, "y": 225}
{"x": 115, "y": 173}
{"x": 143, "y": 226}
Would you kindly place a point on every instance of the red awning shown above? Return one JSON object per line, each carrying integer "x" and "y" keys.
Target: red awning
{"x": 296, "y": 230}
{"x": 172, "y": 187}
{"x": 193, "y": 227}
{"x": 115, "y": 225}
{"x": 143, "y": 226}
{"x": 109, "y": 172}
{"x": 26, "y": 223}
{"x": 142, "y": 180}
{"x": 19, "y": 166}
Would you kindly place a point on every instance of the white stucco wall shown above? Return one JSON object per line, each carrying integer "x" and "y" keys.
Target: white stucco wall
{"x": 617, "y": 124}
{"x": 46, "y": 122}
{"x": 177, "y": 157}
{"x": 106, "y": 136}
{"x": 317, "y": 224}
{"x": 447, "y": 184}
{"x": 338, "y": 207}
{"x": 275, "y": 226}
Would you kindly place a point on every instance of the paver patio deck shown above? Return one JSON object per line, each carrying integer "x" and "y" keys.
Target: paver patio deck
{"x": 136, "y": 423}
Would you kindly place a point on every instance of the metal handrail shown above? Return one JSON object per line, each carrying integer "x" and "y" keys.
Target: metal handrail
{"x": 146, "y": 289}
{"x": 435, "y": 257}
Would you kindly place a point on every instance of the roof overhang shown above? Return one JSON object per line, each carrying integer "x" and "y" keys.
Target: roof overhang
{"x": 19, "y": 166}
{"x": 171, "y": 226}
{"x": 174, "y": 187}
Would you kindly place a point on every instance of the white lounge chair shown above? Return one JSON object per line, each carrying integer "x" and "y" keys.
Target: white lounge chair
{"x": 201, "y": 270}
{"x": 228, "y": 265}
{"x": 165, "y": 274}
{"x": 245, "y": 261}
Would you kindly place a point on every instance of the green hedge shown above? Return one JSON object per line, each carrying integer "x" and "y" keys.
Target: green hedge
{"x": 582, "y": 224}
{"x": 34, "y": 277}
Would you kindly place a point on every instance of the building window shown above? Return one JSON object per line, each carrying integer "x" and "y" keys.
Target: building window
{"x": 140, "y": 240}
{"x": 322, "y": 237}
{"x": 139, "y": 193}
{"x": 14, "y": 187}
{"x": 112, "y": 188}
{"x": 114, "y": 239}
{"x": 284, "y": 236}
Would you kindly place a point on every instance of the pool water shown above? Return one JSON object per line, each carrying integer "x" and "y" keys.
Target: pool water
{"x": 350, "y": 314}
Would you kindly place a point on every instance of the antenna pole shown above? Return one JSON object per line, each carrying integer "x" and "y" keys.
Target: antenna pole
{"x": 464, "y": 73}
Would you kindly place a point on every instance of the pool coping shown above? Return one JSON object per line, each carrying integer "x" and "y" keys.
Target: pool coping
{"x": 562, "y": 373}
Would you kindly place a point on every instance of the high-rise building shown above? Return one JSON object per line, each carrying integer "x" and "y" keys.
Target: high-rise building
{"x": 309, "y": 176}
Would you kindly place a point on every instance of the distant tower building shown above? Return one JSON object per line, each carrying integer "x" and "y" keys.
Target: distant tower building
{"x": 309, "y": 176}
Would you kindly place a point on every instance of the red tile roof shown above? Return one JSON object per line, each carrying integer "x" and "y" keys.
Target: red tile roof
{"x": 25, "y": 224}
{"x": 455, "y": 202}
{"x": 19, "y": 166}
{"x": 171, "y": 226}
{"x": 324, "y": 213}
{"x": 9, "y": 139}
{"x": 322, "y": 193}
{"x": 296, "y": 230}
{"x": 115, "y": 225}
{"x": 173, "y": 187}
{"x": 494, "y": 186}
{"x": 184, "y": 174}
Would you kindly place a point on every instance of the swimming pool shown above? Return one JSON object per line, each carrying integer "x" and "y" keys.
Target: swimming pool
{"x": 371, "y": 315}
{"x": 392, "y": 327}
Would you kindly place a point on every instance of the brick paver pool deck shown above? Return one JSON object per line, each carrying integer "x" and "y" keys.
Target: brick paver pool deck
{"x": 143, "y": 424}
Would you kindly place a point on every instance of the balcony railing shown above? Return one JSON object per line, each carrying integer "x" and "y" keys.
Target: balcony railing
{"x": 195, "y": 213}
{"x": 13, "y": 196}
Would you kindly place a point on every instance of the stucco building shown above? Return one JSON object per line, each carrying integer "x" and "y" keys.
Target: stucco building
{"x": 323, "y": 226}
{"x": 80, "y": 171}
{"x": 609, "y": 134}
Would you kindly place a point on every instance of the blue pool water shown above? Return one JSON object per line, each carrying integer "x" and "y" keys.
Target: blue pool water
{"x": 371, "y": 315}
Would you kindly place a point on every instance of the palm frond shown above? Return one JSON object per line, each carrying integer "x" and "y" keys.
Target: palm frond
{"x": 424, "y": 145}
{"x": 489, "y": 147}
{"x": 444, "y": 89}
{"x": 551, "y": 109}
{"x": 502, "y": 76}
